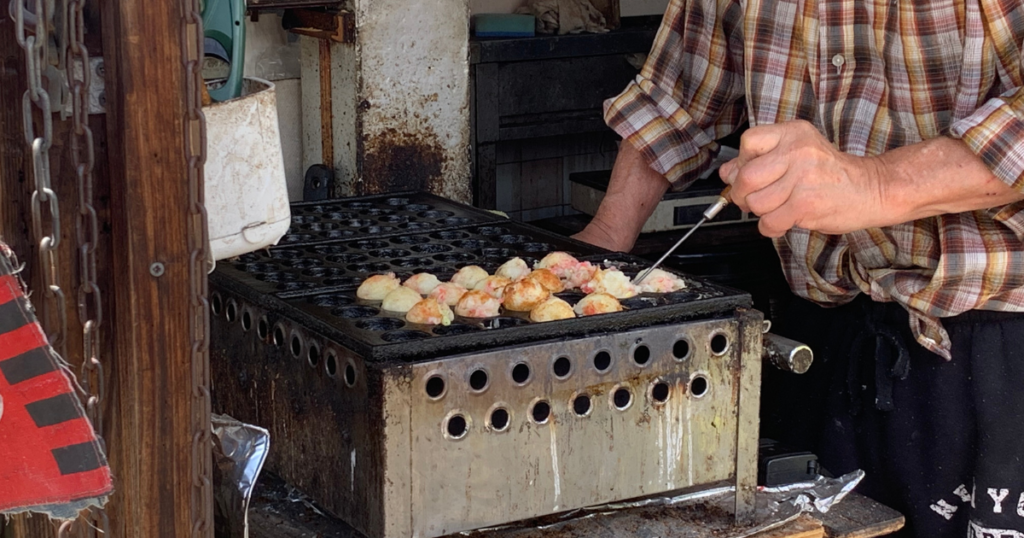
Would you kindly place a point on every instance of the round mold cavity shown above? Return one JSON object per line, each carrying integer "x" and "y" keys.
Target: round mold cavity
{"x": 512, "y": 239}
{"x": 637, "y": 303}
{"x": 570, "y": 297}
{"x": 659, "y": 392}
{"x": 285, "y": 254}
{"x": 403, "y": 336}
{"x": 417, "y": 207}
{"x": 304, "y": 263}
{"x": 325, "y": 250}
{"x": 454, "y": 329}
{"x": 297, "y": 238}
{"x": 521, "y": 373}
{"x": 375, "y": 230}
{"x": 338, "y": 234}
{"x": 503, "y": 253}
{"x": 491, "y": 230}
{"x": 397, "y": 200}
{"x": 540, "y": 412}
{"x": 581, "y": 404}
{"x": 296, "y": 286}
{"x": 719, "y": 344}
{"x": 455, "y": 257}
{"x": 263, "y": 267}
{"x": 602, "y": 361}
{"x": 380, "y": 324}
{"x": 379, "y": 212}
{"x": 456, "y": 426}
{"x": 413, "y": 263}
{"x": 377, "y": 267}
{"x": 498, "y": 418}
{"x": 699, "y": 386}
{"x": 471, "y": 244}
{"x": 370, "y": 244}
{"x": 435, "y": 386}
{"x": 325, "y": 208}
{"x": 620, "y": 398}
{"x": 394, "y": 219}
{"x": 324, "y": 272}
{"x": 303, "y": 219}
{"x": 681, "y": 297}
{"x": 343, "y": 281}
{"x": 431, "y": 248}
{"x": 641, "y": 355}
{"x": 250, "y": 258}
{"x": 331, "y": 300}
{"x": 682, "y": 348}
{"x": 479, "y": 380}
{"x": 449, "y": 235}
{"x": 359, "y": 223}
{"x": 349, "y": 257}
{"x": 355, "y": 312}
{"x": 358, "y": 205}
{"x": 341, "y": 215}
{"x": 503, "y": 322}
{"x": 278, "y": 276}
{"x": 410, "y": 240}
{"x": 435, "y": 214}
{"x": 561, "y": 367}
{"x": 389, "y": 253}
{"x": 537, "y": 247}
{"x": 455, "y": 221}
{"x": 320, "y": 226}
{"x": 416, "y": 225}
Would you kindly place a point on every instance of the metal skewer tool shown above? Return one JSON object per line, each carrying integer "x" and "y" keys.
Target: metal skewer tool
{"x": 711, "y": 212}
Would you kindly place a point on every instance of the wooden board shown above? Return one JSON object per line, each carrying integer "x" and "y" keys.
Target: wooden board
{"x": 860, "y": 517}
{"x": 804, "y": 527}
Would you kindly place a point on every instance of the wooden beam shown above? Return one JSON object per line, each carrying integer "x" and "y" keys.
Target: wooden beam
{"x": 338, "y": 27}
{"x": 152, "y": 451}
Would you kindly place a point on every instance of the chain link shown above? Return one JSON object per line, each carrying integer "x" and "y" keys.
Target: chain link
{"x": 199, "y": 260}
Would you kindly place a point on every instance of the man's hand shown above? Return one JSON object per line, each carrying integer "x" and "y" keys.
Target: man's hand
{"x": 791, "y": 176}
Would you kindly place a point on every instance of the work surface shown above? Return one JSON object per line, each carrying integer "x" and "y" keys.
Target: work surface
{"x": 279, "y": 512}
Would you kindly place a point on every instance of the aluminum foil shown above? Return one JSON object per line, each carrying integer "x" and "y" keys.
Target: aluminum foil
{"x": 239, "y": 451}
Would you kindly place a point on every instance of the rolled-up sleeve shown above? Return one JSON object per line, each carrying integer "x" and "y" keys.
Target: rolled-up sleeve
{"x": 689, "y": 92}
{"x": 995, "y": 132}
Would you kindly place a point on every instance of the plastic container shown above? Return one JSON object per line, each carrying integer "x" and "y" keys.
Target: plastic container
{"x": 246, "y": 193}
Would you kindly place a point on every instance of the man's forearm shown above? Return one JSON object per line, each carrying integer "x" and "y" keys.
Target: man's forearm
{"x": 938, "y": 176}
{"x": 633, "y": 192}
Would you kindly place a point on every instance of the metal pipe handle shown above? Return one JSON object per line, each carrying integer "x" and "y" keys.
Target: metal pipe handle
{"x": 787, "y": 355}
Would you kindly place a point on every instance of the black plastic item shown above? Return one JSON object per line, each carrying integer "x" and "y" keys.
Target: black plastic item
{"x": 319, "y": 181}
{"x": 779, "y": 465}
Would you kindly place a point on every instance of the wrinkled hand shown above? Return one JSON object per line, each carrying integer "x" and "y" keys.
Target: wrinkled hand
{"x": 791, "y": 176}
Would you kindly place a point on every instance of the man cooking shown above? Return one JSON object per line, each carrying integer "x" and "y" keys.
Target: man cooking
{"x": 886, "y": 158}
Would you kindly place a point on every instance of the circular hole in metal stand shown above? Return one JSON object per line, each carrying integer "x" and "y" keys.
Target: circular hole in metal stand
{"x": 499, "y": 419}
{"x": 262, "y": 327}
{"x": 642, "y": 355}
{"x": 246, "y": 320}
{"x": 231, "y": 310}
{"x": 350, "y": 374}
{"x": 541, "y": 412}
{"x": 216, "y": 304}
{"x": 681, "y": 349}
{"x": 581, "y": 405}
{"x": 435, "y": 386}
{"x": 478, "y": 380}
{"x": 621, "y": 398}
{"x": 659, "y": 392}
{"x": 602, "y": 361}
{"x": 719, "y": 344}
{"x": 331, "y": 364}
{"x": 296, "y": 345}
{"x": 457, "y": 427}
{"x": 699, "y": 386}
{"x": 279, "y": 335}
{"x": 562, "y": 367}
{"x": 521, "y": 373}
{"x": 313, "y": 355}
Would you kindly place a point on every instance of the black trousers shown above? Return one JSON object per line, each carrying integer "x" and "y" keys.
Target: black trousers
{"x": 942, "y": 442}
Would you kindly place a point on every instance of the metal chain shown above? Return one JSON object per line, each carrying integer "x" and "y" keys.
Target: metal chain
{"x": 45, "y": 205}
{"x": 90, "y": 302}
{"x": 198, "y": 234}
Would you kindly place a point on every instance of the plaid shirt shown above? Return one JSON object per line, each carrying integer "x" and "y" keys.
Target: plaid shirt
{"x": 871, "y": 75}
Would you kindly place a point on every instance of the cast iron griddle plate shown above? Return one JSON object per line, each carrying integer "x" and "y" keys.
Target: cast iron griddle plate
{"x": 378, "y": 216}
{"x": 297, "y": 270}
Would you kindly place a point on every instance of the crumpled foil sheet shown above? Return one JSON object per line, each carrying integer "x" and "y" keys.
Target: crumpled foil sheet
{"x": 239, "y": 451}
{"x": 660, "y": 516}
